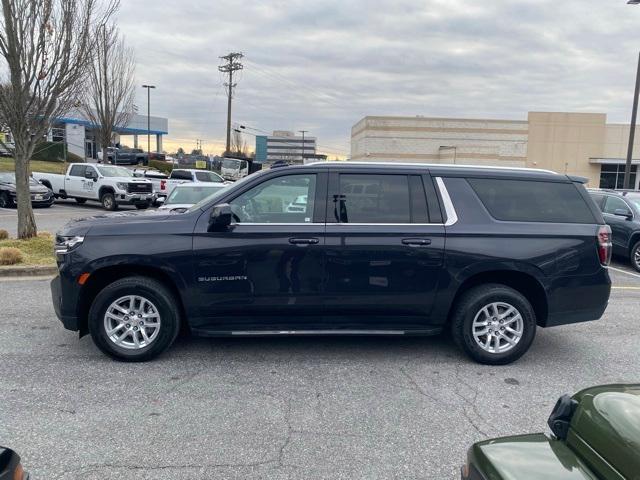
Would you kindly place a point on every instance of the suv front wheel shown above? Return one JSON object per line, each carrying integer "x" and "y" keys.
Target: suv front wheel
{"x": 493, "y": 324}
{"x": 134, "y": 319}
{"x": 635, "y": 256}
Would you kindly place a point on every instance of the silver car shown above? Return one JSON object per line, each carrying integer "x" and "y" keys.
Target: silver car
{"x": 186, "y": 195}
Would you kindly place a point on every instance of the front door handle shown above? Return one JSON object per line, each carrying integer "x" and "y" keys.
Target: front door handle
{"x": 416, "y": 242}
{"x": 303, "y": 241}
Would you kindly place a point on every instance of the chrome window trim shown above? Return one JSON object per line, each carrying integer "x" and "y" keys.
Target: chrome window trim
{"x": 450, "y": 211}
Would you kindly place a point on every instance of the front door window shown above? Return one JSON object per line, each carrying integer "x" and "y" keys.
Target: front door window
{"x": 287, "y": 199}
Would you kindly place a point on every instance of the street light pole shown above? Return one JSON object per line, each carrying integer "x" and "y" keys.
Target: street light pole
{"x": 634, "y": 115}
{"x": 148, "y": 87}
{"x": 303, "y": 132}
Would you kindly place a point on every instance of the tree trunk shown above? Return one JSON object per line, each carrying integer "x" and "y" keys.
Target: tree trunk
{"x": 26, "y": 220}
{"x": 104, "y": 155}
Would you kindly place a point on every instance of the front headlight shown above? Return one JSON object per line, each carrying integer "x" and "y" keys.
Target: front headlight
{"x": 121, "y": 186}
{"x": 67, "y": 244}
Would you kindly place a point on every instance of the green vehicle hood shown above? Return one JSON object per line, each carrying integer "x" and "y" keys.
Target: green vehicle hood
{"x": 528, "y": 457}
{"x": 605, "y": 430}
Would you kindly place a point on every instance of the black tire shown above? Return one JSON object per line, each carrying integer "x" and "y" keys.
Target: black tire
{"x": 5, "y": 200}
{"x": 151, "y": 290}
{"x": 471, "y": 303}
{"x": 108, "y": 201}
{"x": 635, "y": 256}
{"x": 81, "y": 201}
{"x": 142, "y": 206}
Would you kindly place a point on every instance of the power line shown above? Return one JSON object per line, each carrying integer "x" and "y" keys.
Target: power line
{"x": 232, "y": 65}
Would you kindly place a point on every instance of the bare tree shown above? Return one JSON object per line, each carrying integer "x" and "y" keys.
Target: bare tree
{"x": 238, "y": 144}
{"x": 111, "y": 87}
{"x": 46, "y": 47}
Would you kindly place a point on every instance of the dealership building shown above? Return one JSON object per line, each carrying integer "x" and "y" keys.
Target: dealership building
{"x": 79, "y": 134}
{"x": 574, "y": 143}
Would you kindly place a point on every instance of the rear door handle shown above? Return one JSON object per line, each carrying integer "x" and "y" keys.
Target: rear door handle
{"x": 416, "y": 242}
{"x": 303, "y": 241}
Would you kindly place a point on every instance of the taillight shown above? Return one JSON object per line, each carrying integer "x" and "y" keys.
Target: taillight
{"x": 163, "y": 184}
{"x": 604, "y": 244}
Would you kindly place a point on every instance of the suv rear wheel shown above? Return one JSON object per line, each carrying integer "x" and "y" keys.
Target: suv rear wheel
{"x": 635, "y": 256}
{"x": 493, "y": 324}
{"x": 134, "y": 319}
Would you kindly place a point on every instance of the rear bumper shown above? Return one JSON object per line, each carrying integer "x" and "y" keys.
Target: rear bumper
{"x": 578, "y": 299}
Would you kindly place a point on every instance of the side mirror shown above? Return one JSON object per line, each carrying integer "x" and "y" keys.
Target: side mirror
{"x": 621, "y": 212}
{"x": 221, "y": 218}
{"x": 91, "y": 175}
{"x": 161, "y": 200}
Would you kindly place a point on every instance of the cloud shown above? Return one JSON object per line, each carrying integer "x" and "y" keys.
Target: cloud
{"x": 321, "y": 65}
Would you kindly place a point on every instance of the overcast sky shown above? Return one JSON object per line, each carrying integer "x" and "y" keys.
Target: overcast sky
{"x": 323, "y": 65}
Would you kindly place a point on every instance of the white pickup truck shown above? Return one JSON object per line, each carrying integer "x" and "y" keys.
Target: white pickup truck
{"x": 109, "y": 185}
{"x": 179, "y": 176}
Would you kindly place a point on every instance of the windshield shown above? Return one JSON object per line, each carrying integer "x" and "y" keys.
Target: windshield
{"x": 635, "y": 199}
{"x": 205, "y": 176}
{"x": 9, "y": 177}
{"x": 230, "y": 163}
{"x": 191, "y": 194}
{"x": 114, "y": 172}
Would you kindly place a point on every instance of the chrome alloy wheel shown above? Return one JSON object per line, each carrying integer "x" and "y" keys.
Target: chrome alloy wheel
{"x": 498, "y": 327}
{"x": 132, "y": 322}
{"x": 636, "y": 258}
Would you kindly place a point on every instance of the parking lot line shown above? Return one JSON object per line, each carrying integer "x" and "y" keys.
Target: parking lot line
{"x": 624, "y": 271}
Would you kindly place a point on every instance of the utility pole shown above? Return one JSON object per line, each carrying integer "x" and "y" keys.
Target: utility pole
{"x": 632, "y": 131}
{"x": 231, "y": 64}
{"x": 303, "y": 132}
{"x": 148, "y": 87}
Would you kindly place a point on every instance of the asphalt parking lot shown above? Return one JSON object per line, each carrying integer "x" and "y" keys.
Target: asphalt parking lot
{"x": 347, "y": 408}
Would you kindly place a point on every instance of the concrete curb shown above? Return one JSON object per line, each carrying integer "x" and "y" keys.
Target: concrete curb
{"x": 28, "y": 271}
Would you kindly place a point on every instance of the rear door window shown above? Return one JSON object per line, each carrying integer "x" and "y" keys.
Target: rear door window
{"x": 532, "y": 201}
{"x": 180, "y": 175}
{"x": 371, "y": 198}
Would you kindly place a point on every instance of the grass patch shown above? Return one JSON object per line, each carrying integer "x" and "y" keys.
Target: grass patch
{"x": 35, "y": 251}
{"x": 9, "y": 165}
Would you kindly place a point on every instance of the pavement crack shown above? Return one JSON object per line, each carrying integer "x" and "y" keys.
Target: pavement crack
{"x": 469, "y": 403}
{"x": 417, "y": 388}
{"x": 287, "y": 439}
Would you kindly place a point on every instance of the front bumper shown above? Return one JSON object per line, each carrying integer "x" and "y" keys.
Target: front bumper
{"x": 133, "y": 198}
{"x": 64, "y": 307}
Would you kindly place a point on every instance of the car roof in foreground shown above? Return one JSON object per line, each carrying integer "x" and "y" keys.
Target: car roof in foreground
{"x": 442, "y": 169}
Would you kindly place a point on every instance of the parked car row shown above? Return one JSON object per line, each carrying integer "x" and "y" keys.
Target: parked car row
{"x": 124, "y": 156}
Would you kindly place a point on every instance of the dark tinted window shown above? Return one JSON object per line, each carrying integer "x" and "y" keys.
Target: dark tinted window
{"x": 77, "y": 171}
{"x": 374, "y": 199}
{"x": 598, "y": 198}
{"x": 418, "y": 200}
{"x": 529, "y": 201}
{"x": 180, "y": 175}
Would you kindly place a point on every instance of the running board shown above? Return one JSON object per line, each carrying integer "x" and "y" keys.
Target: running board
{"x": 301, "y": 333}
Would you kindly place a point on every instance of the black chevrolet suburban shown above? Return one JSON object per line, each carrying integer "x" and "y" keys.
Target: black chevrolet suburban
{"x": 489, "y": 254}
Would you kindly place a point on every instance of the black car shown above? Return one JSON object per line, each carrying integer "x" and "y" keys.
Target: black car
{"x": 489, "y": 254}
{"x": 621, "y": 211}
{"x": 41, "y": 196}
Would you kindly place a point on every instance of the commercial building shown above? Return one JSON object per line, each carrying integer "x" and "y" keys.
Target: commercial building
{"x": 286, "y": 146}
{"x": 79, "y": 133}
{"x": 575, "y": 143}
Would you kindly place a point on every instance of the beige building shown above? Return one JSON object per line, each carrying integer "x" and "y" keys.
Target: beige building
{"x": 576, "y": 143}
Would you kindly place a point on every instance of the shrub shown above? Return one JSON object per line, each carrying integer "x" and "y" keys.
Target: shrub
{"x": 10, "y": 256}
{"x": 165, "y": 167}
{"x": 53, "y": 152}
{"x": 4, "y": 234}
{"x": 45, "y": 235}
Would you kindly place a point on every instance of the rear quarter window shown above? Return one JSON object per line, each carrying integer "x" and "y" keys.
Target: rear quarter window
{"x": 532, "y": 201}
